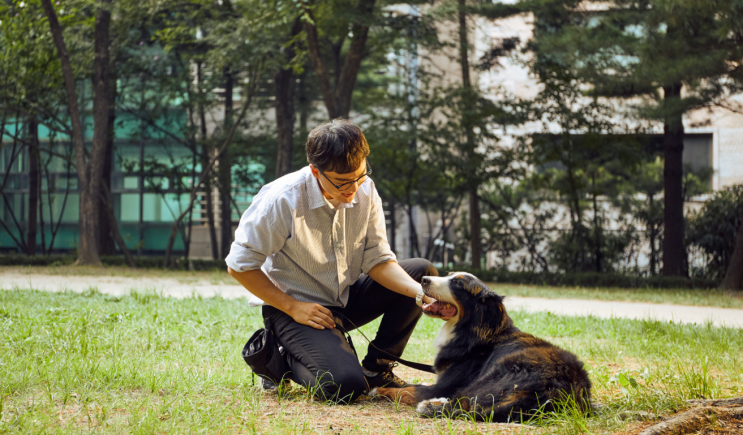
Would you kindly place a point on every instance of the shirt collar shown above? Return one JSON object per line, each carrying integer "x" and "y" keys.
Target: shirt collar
{"x": 316, "y": 198}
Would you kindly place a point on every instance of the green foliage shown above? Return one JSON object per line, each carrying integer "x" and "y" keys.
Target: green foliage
{"x": 714, "y": 229}
{"x": 521, "y": 217}
{"x": 641, "y": 53}
{"x": 629, "y": 49}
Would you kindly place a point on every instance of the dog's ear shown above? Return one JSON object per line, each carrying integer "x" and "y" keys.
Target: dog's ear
{"x": 488, "y": 316}
{"x": 490, "y": 299}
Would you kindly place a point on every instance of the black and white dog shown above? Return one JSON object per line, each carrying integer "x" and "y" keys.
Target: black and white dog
{"x": 486, "y": 367}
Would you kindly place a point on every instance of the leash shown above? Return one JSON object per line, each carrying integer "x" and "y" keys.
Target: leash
{"x": 414, "y": 365}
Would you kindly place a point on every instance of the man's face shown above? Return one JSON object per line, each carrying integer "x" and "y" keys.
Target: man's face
{"x": 331, "y": 192}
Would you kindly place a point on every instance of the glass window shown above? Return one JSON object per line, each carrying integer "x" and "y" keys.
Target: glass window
{"x": 129, "y": 207}
{"x": 131, "y": 183}
{"x": 72, "y": 208}
{"x": 151, "y": 207}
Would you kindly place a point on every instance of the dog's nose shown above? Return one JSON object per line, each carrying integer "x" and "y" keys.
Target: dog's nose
{"x": 425, "y": 280}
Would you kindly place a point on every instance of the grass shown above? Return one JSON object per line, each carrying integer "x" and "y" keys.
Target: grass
{"x": 709, "y": 297}
{"x": 87, "y": 362}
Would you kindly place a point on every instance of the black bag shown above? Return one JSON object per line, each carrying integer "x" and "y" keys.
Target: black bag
{"x": 264, "y": 356}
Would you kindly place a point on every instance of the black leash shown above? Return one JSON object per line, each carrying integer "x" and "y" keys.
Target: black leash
{"x": 418, "y": 366}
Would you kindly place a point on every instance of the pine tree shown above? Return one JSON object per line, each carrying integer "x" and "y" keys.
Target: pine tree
{"x": 664, "y": 58}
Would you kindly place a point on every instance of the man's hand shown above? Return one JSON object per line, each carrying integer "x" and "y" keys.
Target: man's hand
{"x": 313, "y": 315}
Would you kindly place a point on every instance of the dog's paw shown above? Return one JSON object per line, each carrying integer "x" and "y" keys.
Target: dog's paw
{"x": 431, "y": 408}
{"x": 373, "y": 392}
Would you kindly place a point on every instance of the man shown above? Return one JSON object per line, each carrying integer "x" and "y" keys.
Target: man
{"x": 301, "y": 248}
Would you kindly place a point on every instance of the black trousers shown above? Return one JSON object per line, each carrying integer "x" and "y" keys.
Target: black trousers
{"x": 323, "y": 361}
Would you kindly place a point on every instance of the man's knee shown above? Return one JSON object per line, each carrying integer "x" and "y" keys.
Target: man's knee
{"x": 341, "y": 388}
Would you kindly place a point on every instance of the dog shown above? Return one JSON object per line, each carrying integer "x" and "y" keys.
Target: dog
{"x": 487, "y": 368}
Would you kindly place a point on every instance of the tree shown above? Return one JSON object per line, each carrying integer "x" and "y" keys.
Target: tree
{"x": 648, "y": 181}
{"x": 89, "y": 169}
{"x": 734, "y": 275}
{"x": 334, "y": 20}
{"x": 234, "y": 44}
{"x": 715, "y": 228}
{"x": 665, "y": 58}
{"x": 284, "y": 84}
{"x": 28, "y": 100}
{"x": 468, "y": 143}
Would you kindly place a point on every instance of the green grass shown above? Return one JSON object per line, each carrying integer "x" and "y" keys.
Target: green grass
{"x": 145, "y": 364}
{"x": 709, "y": 297}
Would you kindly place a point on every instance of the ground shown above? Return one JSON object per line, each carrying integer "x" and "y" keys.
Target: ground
{"x": 140, "y": 362}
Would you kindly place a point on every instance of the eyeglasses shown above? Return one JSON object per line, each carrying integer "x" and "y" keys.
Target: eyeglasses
{"x": 345, "y": 186}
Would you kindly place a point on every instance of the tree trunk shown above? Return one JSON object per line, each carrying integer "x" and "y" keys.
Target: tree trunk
{"x": 734, "y": 276}
{"x": 283, "y": 81}
{"x": 285, "y": 113}
{"x": 33, "y": 185}
{"x": 106, "y": 234}
{"x": 225, "y": 174}
{"x": 338, "y": 100}
{"x": 674, "y": 251}
{"x": 41, "y": 206}
{"x": 101, "y": 106}
{"x": 204, "y": 161}
{"x": 652, "y": 234}
{"x": 393, "y": 225}
{"x": 108, "y": 207}
{"x": 88, "y": 175}
{"x": 304, "y": 106}
{"x": 695, "y": 421}
{"x": 475, "y": 242}
{"x": 599, "y": 260}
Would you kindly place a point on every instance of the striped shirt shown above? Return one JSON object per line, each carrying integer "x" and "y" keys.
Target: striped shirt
{"x": 309, "y": 249}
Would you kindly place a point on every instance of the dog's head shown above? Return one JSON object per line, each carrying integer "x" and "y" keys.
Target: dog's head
{"x": 467, "y": 301}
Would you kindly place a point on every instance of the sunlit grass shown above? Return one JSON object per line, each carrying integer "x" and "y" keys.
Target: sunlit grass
{"x": 143, "y": 364}
{"x": 703, "y": 297}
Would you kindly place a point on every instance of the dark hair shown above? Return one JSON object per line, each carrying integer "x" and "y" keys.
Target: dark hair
{"x": 338, "y": 146}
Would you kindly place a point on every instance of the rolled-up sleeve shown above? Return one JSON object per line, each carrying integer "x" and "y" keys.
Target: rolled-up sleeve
{"x": 262, "y": 232}
{"x": 376, "y": 249}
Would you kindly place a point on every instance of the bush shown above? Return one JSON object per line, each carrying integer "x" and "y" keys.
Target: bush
{"x": 37, "y": 260}
{"x": 590, "y": 279}
{"x": 111, "y": 260}
{"x": 714, "y": 229}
